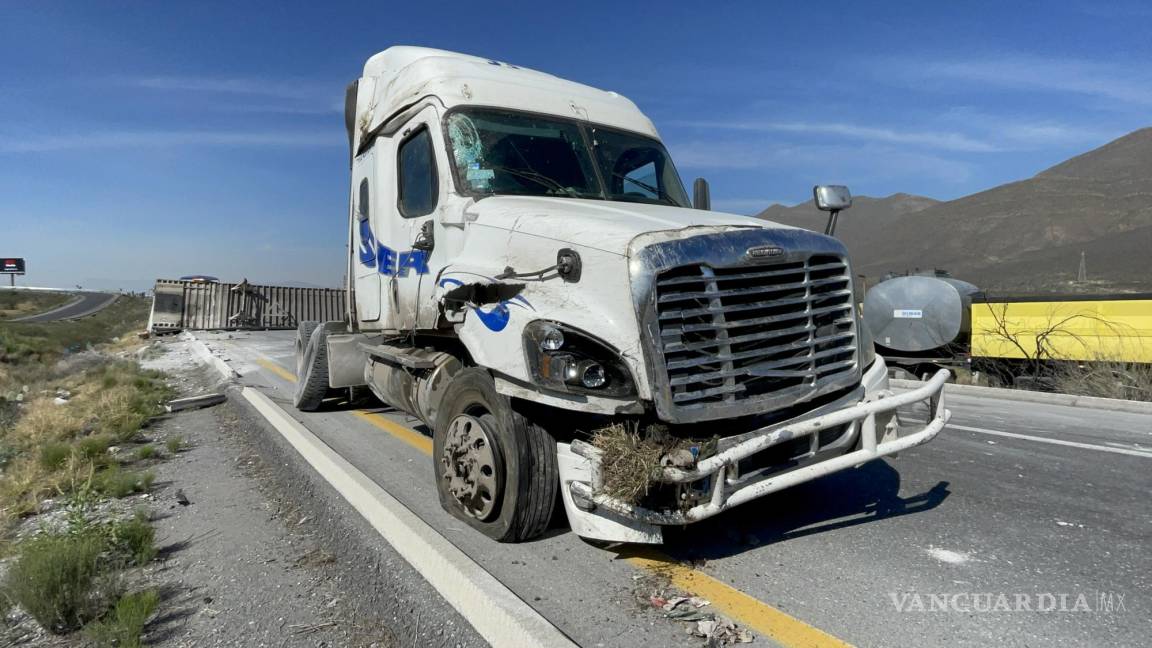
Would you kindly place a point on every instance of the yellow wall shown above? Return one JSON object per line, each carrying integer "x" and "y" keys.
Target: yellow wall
{"x": 1119, "y": 330}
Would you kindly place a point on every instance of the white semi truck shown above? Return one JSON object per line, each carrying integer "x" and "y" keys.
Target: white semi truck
{"x": 525, "y": 267}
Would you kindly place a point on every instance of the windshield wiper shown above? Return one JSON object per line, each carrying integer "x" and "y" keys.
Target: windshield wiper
{"x": 662, "y": 197}
{"x": 540, "y": 179}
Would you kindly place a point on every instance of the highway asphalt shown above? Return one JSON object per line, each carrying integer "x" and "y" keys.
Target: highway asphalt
{"x": 1015, "y": 505}
{"x": 85, "y": 304}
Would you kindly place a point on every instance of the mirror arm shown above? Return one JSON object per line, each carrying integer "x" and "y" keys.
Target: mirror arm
{"x": 831, "y": 227}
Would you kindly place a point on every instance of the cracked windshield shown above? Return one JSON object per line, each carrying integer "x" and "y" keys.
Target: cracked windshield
{"x": 510, "y": 153}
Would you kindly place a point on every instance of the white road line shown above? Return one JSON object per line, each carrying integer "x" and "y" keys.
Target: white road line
{"x": 497, "y": 614}
{"x": 1071, "y": 444}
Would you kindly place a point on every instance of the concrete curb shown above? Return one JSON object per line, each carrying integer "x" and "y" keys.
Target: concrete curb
{"x": 207, "y": 357}
{"x": 1069, "y": 400}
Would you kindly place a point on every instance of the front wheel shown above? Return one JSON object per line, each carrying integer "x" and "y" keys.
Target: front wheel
{"x": 494, "y": 469}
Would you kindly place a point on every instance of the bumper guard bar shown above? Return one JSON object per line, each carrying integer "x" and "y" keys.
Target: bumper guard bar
{"x": 722, "y": 497}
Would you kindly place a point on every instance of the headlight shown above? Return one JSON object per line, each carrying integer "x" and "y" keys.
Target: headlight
{"x": 564, "y": 359}
{"x": 867, "y": 345}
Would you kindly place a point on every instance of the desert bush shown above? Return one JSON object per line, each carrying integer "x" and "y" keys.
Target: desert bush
{"x": 175, "y": 444}
{"x": 134, "y": 538}
{"x": 24, "y": 484}
{"x": 1105, "y": 380}
{"x": 54, "y": 455}
{"x": 94, "y": 447}
{"x": 124, "y": 624}
{"x": 115, "y": 482}
{"x": 55, "y": 577}
{"x": 44, "y": 421}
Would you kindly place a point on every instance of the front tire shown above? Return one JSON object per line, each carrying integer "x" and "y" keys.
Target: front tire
{"x": 494, "y": 469}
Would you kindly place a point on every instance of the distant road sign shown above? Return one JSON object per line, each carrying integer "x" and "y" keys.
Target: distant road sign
{"x": 12, "y": 266}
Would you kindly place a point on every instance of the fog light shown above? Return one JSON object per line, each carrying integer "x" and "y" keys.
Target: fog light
{"x": 592, "y": 375}
{"x": 551, "y": 338}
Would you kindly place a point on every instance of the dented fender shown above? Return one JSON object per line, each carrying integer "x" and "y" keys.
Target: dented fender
{"x": 489, "y": 314}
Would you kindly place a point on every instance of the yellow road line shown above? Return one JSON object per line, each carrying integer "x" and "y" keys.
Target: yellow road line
{"x": 751, "y": 612}
{"x": 276, "y": 369}
{"x": 402, "y": 432}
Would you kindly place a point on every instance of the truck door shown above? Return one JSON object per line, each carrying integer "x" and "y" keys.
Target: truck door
{"x": 367, "y": 279}
{"x": 419, "y": 177}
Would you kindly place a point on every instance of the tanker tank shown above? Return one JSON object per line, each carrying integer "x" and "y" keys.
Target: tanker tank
{"x": 920, "y": 316}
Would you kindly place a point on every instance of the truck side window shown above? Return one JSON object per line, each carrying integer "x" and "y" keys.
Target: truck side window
{"x": 416, "y": 171}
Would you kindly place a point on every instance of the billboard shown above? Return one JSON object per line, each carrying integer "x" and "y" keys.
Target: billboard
{"x": 11, "y": 265}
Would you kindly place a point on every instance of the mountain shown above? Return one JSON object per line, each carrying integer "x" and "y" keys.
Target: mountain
{"x": 1021, "y": 236}
{"x": 866, "y": 221}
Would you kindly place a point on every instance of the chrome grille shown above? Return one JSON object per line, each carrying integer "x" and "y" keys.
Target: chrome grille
{"x": 780, "y": 332}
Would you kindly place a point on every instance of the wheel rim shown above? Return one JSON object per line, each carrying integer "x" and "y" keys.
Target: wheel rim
{"x": 470, "y": 471}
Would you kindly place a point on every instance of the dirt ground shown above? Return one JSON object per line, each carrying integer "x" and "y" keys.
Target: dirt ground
{"x": 238, "y": 565}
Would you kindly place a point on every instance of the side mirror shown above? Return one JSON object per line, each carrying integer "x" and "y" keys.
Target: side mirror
{"x": 832, "y": 198}
{"x": 701, "y": 195}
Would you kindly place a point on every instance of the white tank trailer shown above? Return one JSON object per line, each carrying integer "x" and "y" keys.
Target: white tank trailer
{"x": 920, "y": 319}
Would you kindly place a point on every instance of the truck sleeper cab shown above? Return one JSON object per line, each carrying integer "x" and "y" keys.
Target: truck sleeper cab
{"x": 525, "y": 268}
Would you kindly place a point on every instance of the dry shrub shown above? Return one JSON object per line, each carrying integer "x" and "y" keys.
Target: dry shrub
{"x": 630, "y": 460}
{"x": 24, "y": 485}
{"x": 116, "y": 411}
{"x": 124, "y": 624}
{"x": 1126, "y": 381}
{"x": 44, "y": 421}
{"x": 55, "y": 579}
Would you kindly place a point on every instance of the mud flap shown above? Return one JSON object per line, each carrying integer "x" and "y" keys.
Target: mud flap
{"x": 600, "y": 524}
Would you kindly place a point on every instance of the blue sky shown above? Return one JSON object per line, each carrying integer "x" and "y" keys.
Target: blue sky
{"x": 149, "y": 139}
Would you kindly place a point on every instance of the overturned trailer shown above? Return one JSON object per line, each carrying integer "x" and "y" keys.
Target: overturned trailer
{"x": 199, "y": 305}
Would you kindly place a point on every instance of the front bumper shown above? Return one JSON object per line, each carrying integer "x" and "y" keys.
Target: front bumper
{"x": 598, "y": 516}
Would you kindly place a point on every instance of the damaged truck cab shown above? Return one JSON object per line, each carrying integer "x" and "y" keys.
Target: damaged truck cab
{"x": 525, "y": 269}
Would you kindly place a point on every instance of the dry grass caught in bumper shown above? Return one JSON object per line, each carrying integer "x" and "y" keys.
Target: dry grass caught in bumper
{"x": 632, "y": 458}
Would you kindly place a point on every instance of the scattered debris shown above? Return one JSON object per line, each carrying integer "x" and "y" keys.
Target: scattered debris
{"x": 299, "y": 629}
{"x": 716, "y": 629}
{"x": 721, "y": 631}
{"x": 195, "y": 402}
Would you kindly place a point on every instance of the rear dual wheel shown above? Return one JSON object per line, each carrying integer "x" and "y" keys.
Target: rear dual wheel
{"x": 494, "y": 469}
{"x": 311, "y": 366}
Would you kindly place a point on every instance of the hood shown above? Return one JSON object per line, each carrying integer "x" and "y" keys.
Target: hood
{"x": 600, "y": 224}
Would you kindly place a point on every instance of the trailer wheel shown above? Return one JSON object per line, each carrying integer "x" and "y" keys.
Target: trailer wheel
{"x": 494, "y": 469}
{"x": 311, "y": 367}
{"x": 303, "y": 333}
